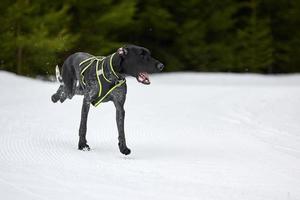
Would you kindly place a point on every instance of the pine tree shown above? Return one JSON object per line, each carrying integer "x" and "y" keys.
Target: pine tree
{"x": 254, "y": 44}
{"x": 101, "y": 24}
{"x": 202, "y": 35}
{"x": 294, "y": 43}
{"x": 206, "y": 35}
{"x": 33, "y": 35}
{"x": 155, "y": 28}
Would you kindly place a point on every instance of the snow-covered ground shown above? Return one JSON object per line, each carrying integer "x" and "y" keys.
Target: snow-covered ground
{"x": 192, "y": 136}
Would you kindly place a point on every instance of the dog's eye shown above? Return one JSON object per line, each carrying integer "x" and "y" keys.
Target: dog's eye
{"x": 143, "y": 54}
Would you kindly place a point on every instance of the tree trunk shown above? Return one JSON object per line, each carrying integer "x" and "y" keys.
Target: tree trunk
{"x": 19, "y": 60}
{"x": 19, "y": 51}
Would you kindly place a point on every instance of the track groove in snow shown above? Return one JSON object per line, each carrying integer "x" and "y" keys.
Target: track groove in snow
{"x": 193, "y": 136}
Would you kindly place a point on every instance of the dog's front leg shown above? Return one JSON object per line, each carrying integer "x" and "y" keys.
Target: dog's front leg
{"x": 120, "y": 115}
{"x": 82, "y": 145}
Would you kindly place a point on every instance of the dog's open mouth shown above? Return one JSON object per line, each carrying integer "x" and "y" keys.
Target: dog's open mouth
{"x": 143, "y": 77}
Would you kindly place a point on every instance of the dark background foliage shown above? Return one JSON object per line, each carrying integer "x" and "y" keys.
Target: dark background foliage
{"x": 260, "y": 36}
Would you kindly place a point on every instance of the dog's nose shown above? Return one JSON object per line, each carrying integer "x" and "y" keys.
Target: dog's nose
{"x": 160, "y": 66}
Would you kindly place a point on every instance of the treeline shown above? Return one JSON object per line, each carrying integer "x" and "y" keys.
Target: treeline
{"x": 261, "y": 36}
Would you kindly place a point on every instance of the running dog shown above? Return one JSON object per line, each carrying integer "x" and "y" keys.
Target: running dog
{"x": 102, "y": 79}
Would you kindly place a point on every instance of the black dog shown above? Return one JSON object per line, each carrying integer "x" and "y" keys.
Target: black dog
{"x": 102, "y": 79}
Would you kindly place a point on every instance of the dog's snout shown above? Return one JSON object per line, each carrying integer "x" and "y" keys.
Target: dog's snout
{"x": 160, "y": 66}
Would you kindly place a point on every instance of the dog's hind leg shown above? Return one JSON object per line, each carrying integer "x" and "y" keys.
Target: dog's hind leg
{"x": 60, "y": 95}
{"x": 82, "y": 144}
{"x": 61, "y": 92}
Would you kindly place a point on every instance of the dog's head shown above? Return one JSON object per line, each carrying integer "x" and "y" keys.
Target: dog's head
{"x": 137, "y": 62}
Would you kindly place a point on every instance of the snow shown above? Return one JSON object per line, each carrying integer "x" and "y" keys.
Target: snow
{"x": 192, "y": 136}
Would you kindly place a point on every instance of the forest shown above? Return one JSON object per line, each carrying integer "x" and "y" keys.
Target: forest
{"x": 257, "y": 36}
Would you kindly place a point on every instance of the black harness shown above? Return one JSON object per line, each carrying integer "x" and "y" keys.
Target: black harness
{"x": 100, "y": 69}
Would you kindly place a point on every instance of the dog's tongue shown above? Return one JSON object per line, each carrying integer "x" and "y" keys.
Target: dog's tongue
{"x": 143, "y": 77}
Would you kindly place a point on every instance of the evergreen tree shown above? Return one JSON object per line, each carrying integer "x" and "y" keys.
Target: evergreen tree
{"x": 201, "y": 35}
{"x": 155, "y": 28}
{"x": 206, "y": 34}
{"x": 32, "y": 38}
{"x": 254, "y": 44}
{"x": 101, "y": 24}
{"x": 294, "y": 43}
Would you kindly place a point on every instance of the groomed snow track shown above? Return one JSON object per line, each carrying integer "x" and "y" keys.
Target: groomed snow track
{"x": 192, "y": 136}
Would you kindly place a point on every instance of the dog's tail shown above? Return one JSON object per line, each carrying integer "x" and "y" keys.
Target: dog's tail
{"x": 58, "y": 75}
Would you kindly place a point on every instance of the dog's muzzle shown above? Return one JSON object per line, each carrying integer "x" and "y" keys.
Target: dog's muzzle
{"x": 143, "y": 77}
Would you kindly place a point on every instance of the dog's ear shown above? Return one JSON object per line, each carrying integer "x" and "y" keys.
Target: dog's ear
{"x": 122, "y": 51}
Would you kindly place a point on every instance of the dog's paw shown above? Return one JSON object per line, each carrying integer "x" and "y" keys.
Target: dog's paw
{"x": 84, "y": 147}
{"x": 55, "y": 98}
{"x": 124, "y": 149}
